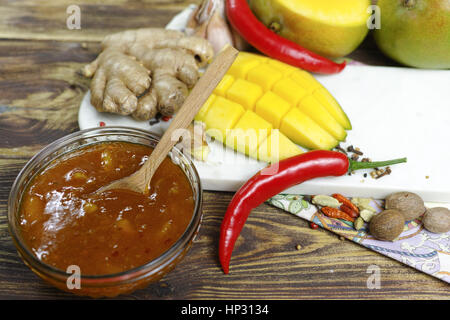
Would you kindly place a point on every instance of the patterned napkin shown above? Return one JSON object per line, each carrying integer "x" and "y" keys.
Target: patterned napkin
{"x": 416, "y": 247}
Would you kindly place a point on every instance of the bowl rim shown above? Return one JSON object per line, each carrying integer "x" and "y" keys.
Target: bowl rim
{"x": 133, "y": 274}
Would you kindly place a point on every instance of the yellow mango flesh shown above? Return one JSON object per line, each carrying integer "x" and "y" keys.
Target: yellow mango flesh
{"x": 264, "y": 75}
{"x": 342, "y": 12}
{"x": 290, "y": 91}
{"x": 276, "y": 147}
{"x": 244, "y": 92}
{"x": 332, "y": 28}
{"x": 304, "y": 131}
{"x": 272, "y": 108}
{"x": 200, "y": 116}
{"x": 314, "y": 109}
{"x": 305, "y": 80}
{"x": 224, "y": 85}
{"x": 248, "y": 133}
{"x": 242, "y": 65}
{"x": 251, "y": 56}
{"x": 284, "y": 68}
{"x": 262, "y": 93}
{"x": 222, "y": 116}
{"x": 333, "y": 107}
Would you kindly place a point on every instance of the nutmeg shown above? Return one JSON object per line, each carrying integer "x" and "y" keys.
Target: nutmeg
{"x": 387, "y": 225}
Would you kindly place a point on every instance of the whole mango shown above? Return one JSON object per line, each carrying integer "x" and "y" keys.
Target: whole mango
{"x": 332, "y": 28}
{"x": 415, "y": 33}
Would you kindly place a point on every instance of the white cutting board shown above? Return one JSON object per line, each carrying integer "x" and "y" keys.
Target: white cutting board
{"x": 395, "y": 112}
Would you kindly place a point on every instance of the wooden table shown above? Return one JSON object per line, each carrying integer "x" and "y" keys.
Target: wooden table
{"x": 40, "y": 92}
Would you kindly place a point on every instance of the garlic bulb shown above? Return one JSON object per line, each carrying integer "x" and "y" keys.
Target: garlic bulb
{"x": 209, "y": 22}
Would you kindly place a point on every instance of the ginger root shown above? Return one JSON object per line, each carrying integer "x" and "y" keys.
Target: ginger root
{"x": 145, "y": 71}
{"x": 118, "y": 80}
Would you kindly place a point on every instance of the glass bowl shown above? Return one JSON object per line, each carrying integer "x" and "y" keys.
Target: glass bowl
{"x": 108, "y": 285}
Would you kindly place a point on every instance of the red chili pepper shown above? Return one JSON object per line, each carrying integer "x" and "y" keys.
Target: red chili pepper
{"x": 352, "y": 213}
{"x": 291, "y": 171}
{"x": 268, "y": 42}
{"x": 345, "y": 202}
{"x": 336, "y": 213}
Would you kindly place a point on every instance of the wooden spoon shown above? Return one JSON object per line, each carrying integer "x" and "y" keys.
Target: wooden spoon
{"x": 140, "y": 180}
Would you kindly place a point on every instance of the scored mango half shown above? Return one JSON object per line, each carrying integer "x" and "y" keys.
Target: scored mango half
{"x": 265, "y": 108}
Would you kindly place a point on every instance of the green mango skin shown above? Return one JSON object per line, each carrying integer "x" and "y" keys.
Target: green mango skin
{"x": 418, "y": 36}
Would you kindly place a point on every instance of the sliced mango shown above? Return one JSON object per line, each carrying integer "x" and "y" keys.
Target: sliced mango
{"x": 304, "y": 131}
{"x": 262, "y": 93}
{"x": 33, "y": 208}
{"x": 284, "y": 68}
{"x": 305, "y": 80}
{"x": 248, "y": 133}
{"x": 333, "y": 107}
{"x": 224, "y": 85}
{"x": 289, "y": 90}
{"x": 90, "y": 207}
{"x": 255, "y": 56}
{"x": 276, "y": 147}
{"x": 265, "y": 76}
{"x": 242, "y": 65}
{"x": 125, "y": 225}
{"x": 200, "y": 116}
{"x": 272, "y": 108}
{"x": 316, "y": 111}
{"x": 222, "y": 116}
{"x": 245, "y": 93}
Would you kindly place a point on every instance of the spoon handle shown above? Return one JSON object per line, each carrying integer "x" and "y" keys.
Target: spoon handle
{"x": 194, "y": 101}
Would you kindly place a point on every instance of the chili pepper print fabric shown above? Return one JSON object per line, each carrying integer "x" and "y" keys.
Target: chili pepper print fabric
{"x": 416, "y": 247}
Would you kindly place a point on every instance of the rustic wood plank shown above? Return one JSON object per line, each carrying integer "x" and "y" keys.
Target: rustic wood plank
{"x": 263, "y": 266}
{"x": 47, "y": 20}
{"x": 40, "y": 92}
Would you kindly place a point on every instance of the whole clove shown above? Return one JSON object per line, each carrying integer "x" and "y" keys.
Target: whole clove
{"x": 384, "y": 172}
{"x": 354, "y": 150}
{"x": 339, "y": 148}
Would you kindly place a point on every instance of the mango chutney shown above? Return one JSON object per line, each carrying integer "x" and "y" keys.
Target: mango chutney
{"x": 63, "y": 222}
